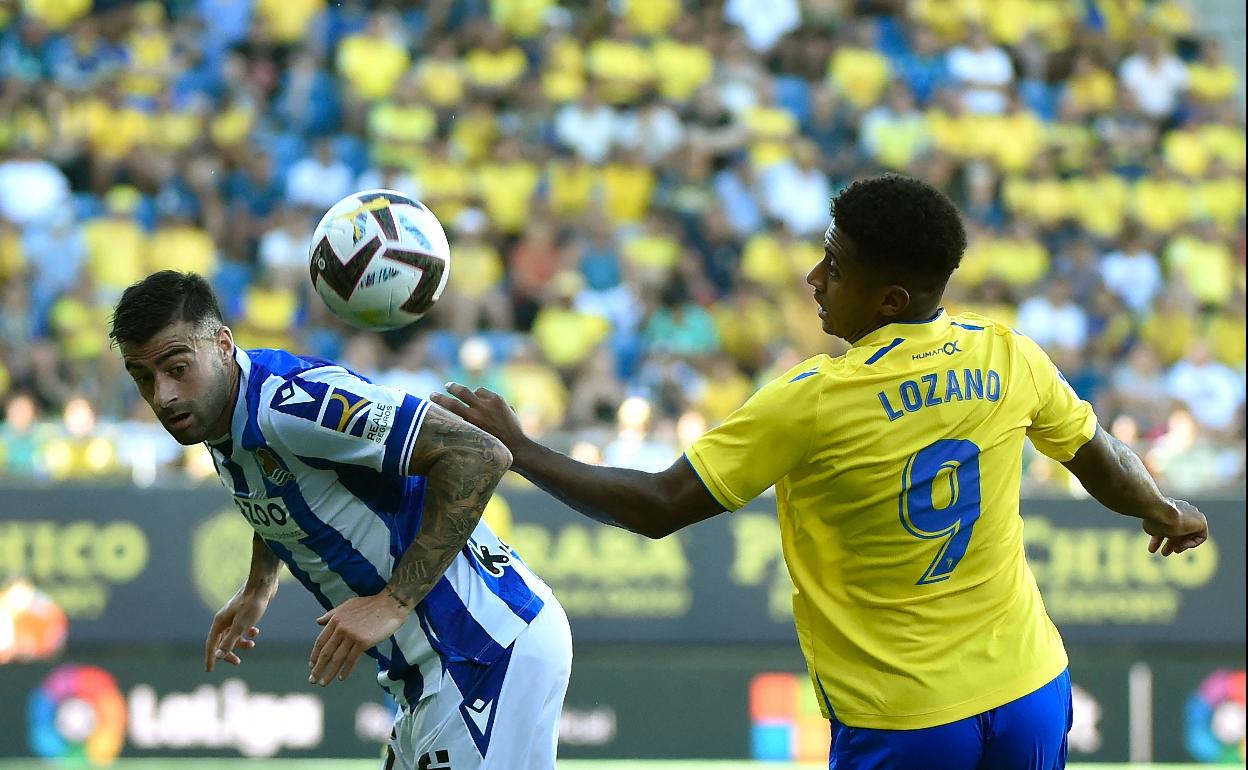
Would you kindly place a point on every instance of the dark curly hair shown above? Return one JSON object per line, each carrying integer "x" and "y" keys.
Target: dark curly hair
{"x": 161, "y": 299}
{"x": 905, "y": 226}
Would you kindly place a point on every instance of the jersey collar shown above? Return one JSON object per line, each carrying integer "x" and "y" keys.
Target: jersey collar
{"x": 933, "y": 327}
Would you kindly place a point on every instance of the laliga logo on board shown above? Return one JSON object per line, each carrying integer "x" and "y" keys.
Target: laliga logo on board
{"x": 77, "y": 713}
{"x": 1214, "y": 716}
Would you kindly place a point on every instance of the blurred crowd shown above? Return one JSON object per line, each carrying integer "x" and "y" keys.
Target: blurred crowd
{"x": 634, "y": 191}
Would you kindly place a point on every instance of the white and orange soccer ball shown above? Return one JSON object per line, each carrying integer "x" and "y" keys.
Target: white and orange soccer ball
{"x": 379, "y": 259}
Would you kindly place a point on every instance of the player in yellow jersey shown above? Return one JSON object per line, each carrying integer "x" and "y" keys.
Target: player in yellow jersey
{"x": 897, "y": 470}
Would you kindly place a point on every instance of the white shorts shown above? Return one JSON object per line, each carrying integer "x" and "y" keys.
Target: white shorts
{"x": 508, "y": 718}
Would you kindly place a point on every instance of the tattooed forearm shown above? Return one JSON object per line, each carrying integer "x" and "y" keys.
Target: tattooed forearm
{"x": 462, "y": 465}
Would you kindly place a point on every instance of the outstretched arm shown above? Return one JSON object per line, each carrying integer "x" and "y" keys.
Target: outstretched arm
{"x": 234, "y": 625}
{"x": 1117, "y": 478}
{"x": 650, "y": 504}
{"x": 462, "y": 465}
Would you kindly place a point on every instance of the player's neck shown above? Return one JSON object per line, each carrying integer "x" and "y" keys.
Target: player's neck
{"x": 911, "y": 315}
{"x": 221, "y": 428}
{"x": 927, "y": 312}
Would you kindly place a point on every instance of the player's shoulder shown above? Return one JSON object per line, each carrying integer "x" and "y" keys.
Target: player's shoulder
{"x": 981, "y": 323}
{"x": 283, "y": 364}
{"x": 811, "y": 374}
{"x": 298, "y": 386}
{"x": 1017, "y": 343}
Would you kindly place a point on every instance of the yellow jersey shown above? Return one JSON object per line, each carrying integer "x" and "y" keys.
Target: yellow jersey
{"x": 897, "y": 468}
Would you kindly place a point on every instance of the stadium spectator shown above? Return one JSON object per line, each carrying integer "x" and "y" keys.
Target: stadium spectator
{"x": 588, "y": 127}
{"x": 1053, "y": 319}
{"x": 763, "y": 21}
{"x": 31, "y": 187}
{"x": 1155, "y": 77}
{"x": 1132, "y": 272}
{"x": 1210, "y": 390}
{"x": 984, "y": 73}
{"x": 597, "y": 160}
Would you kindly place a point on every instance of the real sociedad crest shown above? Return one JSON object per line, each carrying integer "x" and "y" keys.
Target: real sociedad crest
{"x": 272, "y": 468}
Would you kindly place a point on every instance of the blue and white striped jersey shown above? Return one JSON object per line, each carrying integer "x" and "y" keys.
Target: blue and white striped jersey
{"x": 317, "y": 460}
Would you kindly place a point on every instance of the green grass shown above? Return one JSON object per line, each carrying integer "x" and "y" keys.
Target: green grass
{"x": 571, "y": 764}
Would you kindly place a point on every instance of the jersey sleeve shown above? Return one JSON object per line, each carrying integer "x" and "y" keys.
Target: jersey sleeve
{"x": 761, "y": 441}
{"x": 332, "y": 415}
{"x": 1061, "y": 422}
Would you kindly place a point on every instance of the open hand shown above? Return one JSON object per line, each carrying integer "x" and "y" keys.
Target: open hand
{"x": 485, "y": 409}
{"x": 351, "y": 629}
{"x": 234, "y": 625}
{"x": 1188, "y": 530}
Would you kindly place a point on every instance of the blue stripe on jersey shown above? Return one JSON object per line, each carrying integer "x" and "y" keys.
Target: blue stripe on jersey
{"x": 826, "y": 702}
{"x": 237, "y": 477}
{"x": 252, "y": 439}
{"x": 381, "y": 494}
{"x": 451, "y": 628}
{"x": 480, "y": 688}
{"x": 283, "y": 553}
{"x": 877, "y": 355}
{"x": 339, "y": 555}
{"x": 400, "y": 670}
{"x": 395, "y": 457}
{"x": 397, "y": 500}
{"x": 510, "y": 587}
{"x": 971, "y": 327}
{"x": 410, "y": 516}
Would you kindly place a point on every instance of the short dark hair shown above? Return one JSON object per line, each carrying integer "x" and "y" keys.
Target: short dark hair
{"x": 912, "y": 229}
{"x": 161, "y": 299}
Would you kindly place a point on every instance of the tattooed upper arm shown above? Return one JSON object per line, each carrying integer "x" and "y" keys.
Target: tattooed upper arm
{"x": 461, "y": 465}
{"x": 442, "y": 434}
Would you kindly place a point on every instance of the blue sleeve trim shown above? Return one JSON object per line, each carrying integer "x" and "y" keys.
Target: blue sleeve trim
{"x": 718, "y": 502}
{"x": 967, "y": 326}
{"x": 403, "y": 435}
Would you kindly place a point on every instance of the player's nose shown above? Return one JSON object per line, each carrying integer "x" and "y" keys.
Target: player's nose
{"x": 812, "y": 277}
{"x": 165, "y": 392}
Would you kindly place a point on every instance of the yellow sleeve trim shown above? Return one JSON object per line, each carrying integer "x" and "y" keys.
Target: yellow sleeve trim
{"x": 1086, "y": 432}
{"x": 712, "y": 481}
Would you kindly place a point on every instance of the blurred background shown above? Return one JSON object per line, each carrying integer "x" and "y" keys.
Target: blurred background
{"x": 634, "y": 190}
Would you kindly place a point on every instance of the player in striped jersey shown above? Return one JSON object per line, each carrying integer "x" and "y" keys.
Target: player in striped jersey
{"x": 372, "y": 498}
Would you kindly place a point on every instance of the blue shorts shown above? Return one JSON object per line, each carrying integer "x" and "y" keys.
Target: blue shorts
{"x": 1025, "y": 734}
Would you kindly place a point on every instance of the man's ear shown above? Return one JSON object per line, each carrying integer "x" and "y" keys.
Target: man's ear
{"x": 225, "y": 342}
{"x": 895, "y": 301}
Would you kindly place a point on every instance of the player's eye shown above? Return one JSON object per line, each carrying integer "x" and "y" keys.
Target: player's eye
{"x": 177, "y": 370}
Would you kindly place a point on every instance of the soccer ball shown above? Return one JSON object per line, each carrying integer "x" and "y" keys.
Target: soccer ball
{"x": 379, "y": 259}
